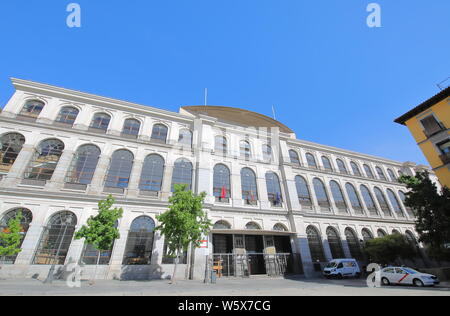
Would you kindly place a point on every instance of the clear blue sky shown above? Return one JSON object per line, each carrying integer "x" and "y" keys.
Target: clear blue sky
{"x": 333, "y": 80}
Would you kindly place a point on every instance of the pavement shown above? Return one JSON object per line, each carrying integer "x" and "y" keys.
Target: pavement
{"x": 255, "y": 286}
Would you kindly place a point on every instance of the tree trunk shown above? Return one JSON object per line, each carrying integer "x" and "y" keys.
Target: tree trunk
{"x": 95, "y": 271}
{"x": 173, "y": 280}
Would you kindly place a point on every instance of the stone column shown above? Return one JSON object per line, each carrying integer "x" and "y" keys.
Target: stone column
{"x": 302, "y": 244}
{"x": 346, "y": 248}
{"x": 15, "y": 174}
{"x": 30, "y": 244}
{"x": 166, "y": 187}
{"x": 14, "y": 105}
{"x": 133, "y": 185}
{"x": 326, "y": 249}
{"x": 49, "y": 112}
{"x": 97, "y": 183}
{"x": 115, "y": 269}
{"x": 58, "y": 177}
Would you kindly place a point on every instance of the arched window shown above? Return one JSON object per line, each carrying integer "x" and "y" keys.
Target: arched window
{"x": 395, "y": 204}
{"x": 380, "y": 173}
{"x": 396, "y": 232}
{"x": 222, "y": 225}
{"x": 402, "y": 196}
{"x": 338, "y": 196}
{"x": 252, "y": 226}
{"x": 185, "y": 137}
{"x": 152, "y": 173}
{"x": 245, "y": 149}
{"x": 84, "y": 163}
{"x": 45, "y": 160}
{"x": 304, "y": 195}
{"x": 273, "y": 189}
{"x": 182, "y": 173}
{"x": 392, "y": 176}
{"x": 267, "y": 153}
{"x": 368, "y": 171}
{"x": 354, "y": 198}
{"x": 119, "y": 172}
{"x": 315, "y": 244}
{"x": 353, "y": 244}
{"x": 91, "y": 255}
{"x": 355, "y": 169}
{"x": 100, "y": 122}
{"x": 10, "y": 146}
{"x": 341, "y": 166}
{"x": 249, "y": 187}
{"x": 366, "y": 234}
{"x": 321, "y": 194}
{"x": 138, "y": 250}
{"x": 32, "y": 108}
{"x": 131, "y": 128}
{"x": 220, "y": 144}
{"x": 327, "y": 163}
{"x": 334, "y": 241}
{"x": 382, "y": 201}
{"x": 67, "y": 115}
{"x": 411, "y": 238}
{"x": 159, "y": 133}
{"x": 27, "y": 218}
{"x": 221, "y": 183}
{"x": 280, "y": 228}
{"x": 294, "y": 157}
{"x": 311, "y": 161}
{"x": 56, "y": 239}
{"x": 381, "y": 233}
{"x": 368, "y": 199}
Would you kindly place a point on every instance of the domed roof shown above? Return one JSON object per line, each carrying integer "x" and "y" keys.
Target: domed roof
{"x": 238, "y": 116}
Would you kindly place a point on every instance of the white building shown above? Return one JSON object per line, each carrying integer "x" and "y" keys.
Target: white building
{"x": 62, "y": 151}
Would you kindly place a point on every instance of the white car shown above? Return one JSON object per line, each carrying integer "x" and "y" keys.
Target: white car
{"x": 340, "y": 268}
{"x": 402, "y": 275}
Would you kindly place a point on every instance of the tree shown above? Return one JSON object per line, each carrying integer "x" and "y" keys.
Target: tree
{"x": 432, "y": 209}
{"x": 101, "y": 230}
{"x": 11, "y": 237}
{"x": 388, "y": 249}
{"x": 184, "y": 224}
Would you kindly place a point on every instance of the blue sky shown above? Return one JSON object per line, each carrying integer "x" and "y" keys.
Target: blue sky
{"x": 332, "y": 79}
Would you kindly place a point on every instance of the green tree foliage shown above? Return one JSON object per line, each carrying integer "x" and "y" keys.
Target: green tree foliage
{"x": 185, "y": 223}
{"x": 432, "y": 209}
{"x": 388, "y": 249}
{"x": 101, "y": 230}
{"x": 11, "y": 238}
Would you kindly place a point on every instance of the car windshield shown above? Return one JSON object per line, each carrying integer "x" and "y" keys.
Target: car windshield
{"x": 410, "y": 271}
{"x": 331, "y": 264}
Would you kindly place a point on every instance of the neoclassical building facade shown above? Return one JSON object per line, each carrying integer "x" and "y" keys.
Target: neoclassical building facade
{"x": 62, "y": 151}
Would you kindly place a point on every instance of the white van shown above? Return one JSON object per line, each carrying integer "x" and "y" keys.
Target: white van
{"x": 340, "y": 268}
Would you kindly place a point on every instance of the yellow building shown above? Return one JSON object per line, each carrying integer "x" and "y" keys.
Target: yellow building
{"x": 429, "y": 123}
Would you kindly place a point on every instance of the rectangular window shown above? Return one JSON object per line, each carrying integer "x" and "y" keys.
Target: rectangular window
{"x": 445, "y": 151}
{"x": 431, "y": 125}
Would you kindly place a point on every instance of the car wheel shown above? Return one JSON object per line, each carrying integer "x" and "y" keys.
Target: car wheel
{"x": 385, "y": 282}
{"x": 358, "y": 275}
{"x": 339, "y": 276}
{"x": 418, "y": 283}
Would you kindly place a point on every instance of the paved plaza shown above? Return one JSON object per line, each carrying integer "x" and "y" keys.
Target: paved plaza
{"x": 262, "y": 286}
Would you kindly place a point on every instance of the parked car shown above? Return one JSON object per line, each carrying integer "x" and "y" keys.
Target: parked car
{"x": 403, "y": 275}
{"x": 340, "y": 268}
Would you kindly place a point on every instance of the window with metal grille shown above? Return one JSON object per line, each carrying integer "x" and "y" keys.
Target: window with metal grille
{"x": 249, "y": 187}
{"x": 341, "y": 166}
{"x": 315, "y": 244}
{"x": 311, "y": 161}
{"x": 67, "y": 115}
{"x": 338, "y": 197}
{"x": 131, "y": 127}
{"x": 335, "y": 243}
{"x": 304, "y": 195}
{"x": 392, "y": 176}
{"x": 170, "y": 258}
{"x": 366, "y": 234}
{"x": 279, "y": 228}
{"x": 84, "y": 163}
{"x": 92, "y": 256}
{"x": 294, "y": 157}
{"x": 353, "y": 244}
{"x": 27, "y": 218}
{"x": 368, "y": 199}
{"x": 245, "y": 150}
{"x": 139, "y": 247}
{"x": 221, "y": 183}
{"x": 354, "y": 198}
{"x": 252, "y": 226}
{"x": 327, "y": 163}
{"x": 159, "y": 133}
{"x": 119, "y": 172}
{"x": 10, "y": 146}
{"x": 355, "y": 169}
{"x": 273, "y": 189}
{"x": 185, "y": 137}
{"x": 220, "y": 144}
{"x": 222, "y": 225}
{"x": 381, "y": 233}
{"x": 267, "y": 153}
{"x": 56, "y": 238}
{"x": 402, "y": 196}
{"x": 100, "y": 121}
{"x": 321, "y": 193}
{"x": 182, "y": 173}
{"x": 380, "y": 173}
{"x": 368, "y": 171}
{"x": 152, "y": 173}
{"x": 45, "y": 160}
{"x": 395, "y": 203}
{"x": 382, "y": 201}
{"x": 32, "y": 108}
